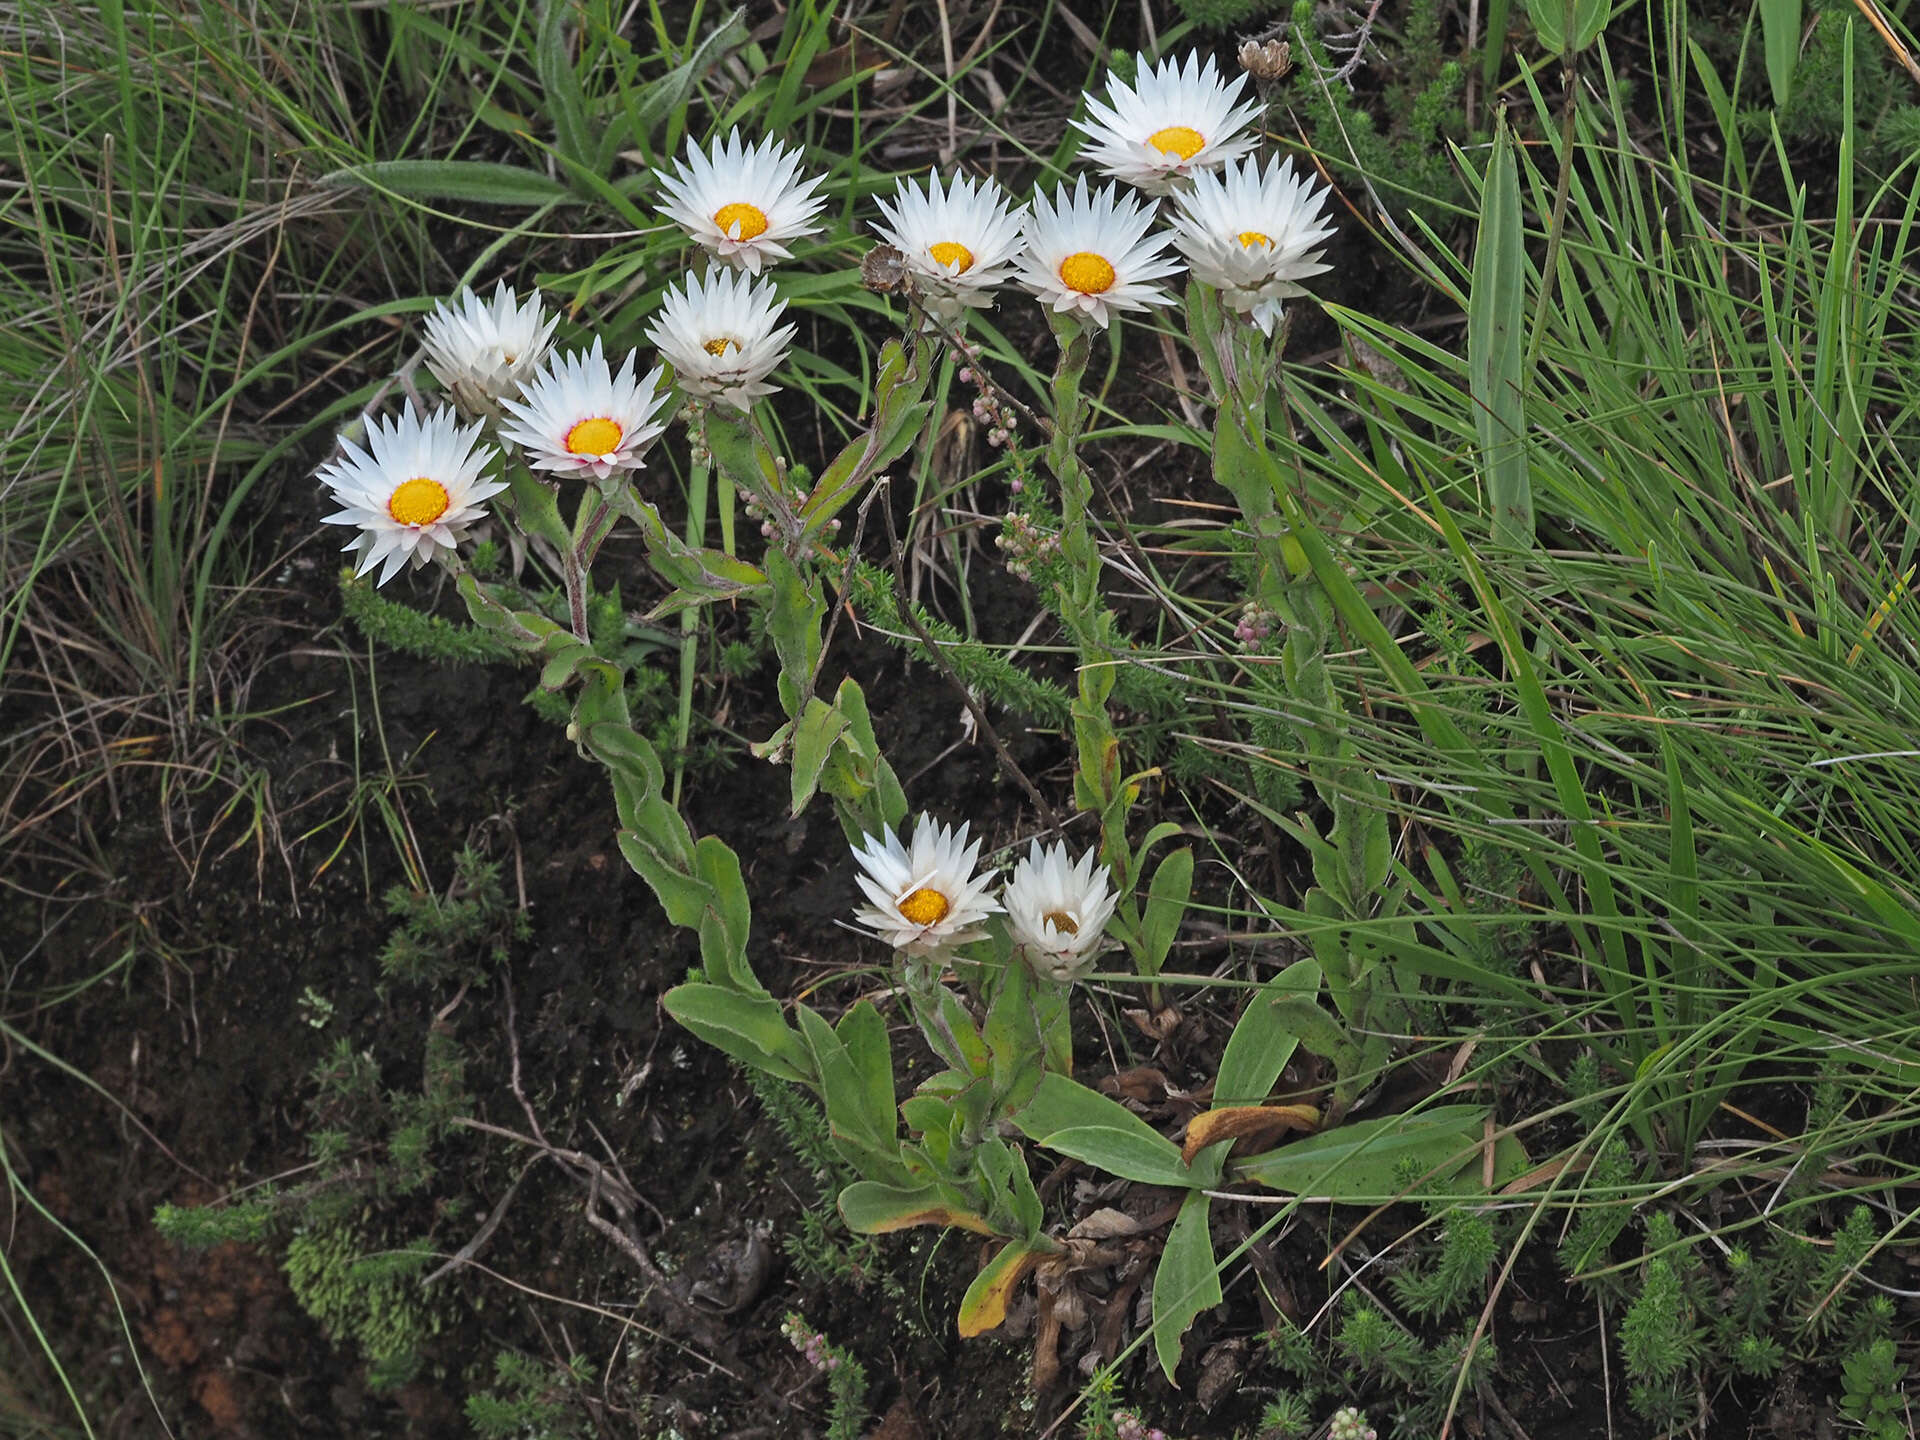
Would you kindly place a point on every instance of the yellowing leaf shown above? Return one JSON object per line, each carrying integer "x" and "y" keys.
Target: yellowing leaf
{"x": 1261, "y": 1122}
{"x": 984, "y": 1307}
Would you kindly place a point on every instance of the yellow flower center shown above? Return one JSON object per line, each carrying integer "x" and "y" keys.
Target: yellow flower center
{"x": 751, "y": 219}
{"x": 1086, "y": 272}
{"x": 1251, "y": 238}
{"x": 598, "y": 436}
{"x": 925, "y": 907}
{"x": 1181, "y": 140}
{"x": 1063, "y": 922}
{"x": 952, "y": 255}
{"x": 718, "y": 346}
{"x": 418, "y": 501}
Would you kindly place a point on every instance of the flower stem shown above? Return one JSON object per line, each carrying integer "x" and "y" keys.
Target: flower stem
{"x": 689, "y": 626}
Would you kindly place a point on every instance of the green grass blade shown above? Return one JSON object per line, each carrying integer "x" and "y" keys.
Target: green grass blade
{"x": 1496, "y": 348}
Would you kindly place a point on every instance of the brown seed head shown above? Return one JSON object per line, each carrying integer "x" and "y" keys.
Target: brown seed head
{"x": 884, "y": 270}
{"x": 1266, "y": 60}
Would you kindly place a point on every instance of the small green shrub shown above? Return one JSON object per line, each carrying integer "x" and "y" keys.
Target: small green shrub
{"x": 846, "y": 1377}
{"x": 1871, "y": 1394}
{"x": 531, "y": 1400}
{"x": 1404, "y": 154}
{"x": 459, "y": 937}
{"x": 367, "y": 1297}
{"x": 1457, "y": 1277}
{"x": 1659, "y": 1338}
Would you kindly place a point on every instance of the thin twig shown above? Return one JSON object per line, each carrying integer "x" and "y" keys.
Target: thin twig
{"x": 465, "y": 1254}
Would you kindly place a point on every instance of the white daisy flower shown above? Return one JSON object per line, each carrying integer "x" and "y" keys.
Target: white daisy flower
{"x": 413, "y": 491}
{"x": 960, "y": 242}
{"x": 1093, "y": 254}
{"x": 1171, "y": 123}
{"x": 1057, "y": 909}
{"x": 1250, "y": 233}
{"x": 484, "y": 352}
{"x": 925, "y": 896}
{"x": 719, "y": 333}
{"x": 578, "y": 417}
{"x": 743, "y": 202}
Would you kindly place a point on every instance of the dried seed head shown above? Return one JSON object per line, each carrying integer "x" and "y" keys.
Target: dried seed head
{"x": 1267, "y": 60}
{"x": 884, "y": 270}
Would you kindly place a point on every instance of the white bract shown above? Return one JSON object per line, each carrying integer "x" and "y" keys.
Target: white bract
{"x": 743, "y": 202}
{"x": 413, "y": 490}
{"x": 1057, "y": 910}
{"x": 1173, "y": 122}
{"x": 1092, "y": 254}
{"x": 579, "y": 418}
{"x": 960, "y": 241}
{"x": 485, "y": 351}
{"x": 718, "y": 331}
{"x": 1251, "y": 233}
{"x": 925, "y": 896}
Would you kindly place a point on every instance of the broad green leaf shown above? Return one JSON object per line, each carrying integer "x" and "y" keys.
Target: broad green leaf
{"x": 1567, "y": 26}
{"x": 564, "y": 654}
{"x": 637, "y": 777}
{"x": 1589, "y": 20}
{"x": 886, "y": 802}
{"x": 1780, "y": 23}
{"x": 1262, "y": 1042}
{"x": 728, "y": 919}
{"x": 1203, "y": 332}
{"x": 1166, "y": 905}
{"x": 870, "y": 1208}
{"x": 750, "y": 1028}
{"x": 486, "y": 181}
{"x": 1016, "y": 1205}
{"x": 899, "y": 414}
{"x": 793, "y": 620}
{"x": 1187, "y": 1281}
{"x": 680, "y": 895}
{"x": 699, "y": 575}
{"x": 841, "y": 1087}
{"x": 864, "y": 1034}
{"x": 1363, "y": 1161}
{"x": 927, "y": 1114}
{"x": 958, "y": 1023}
{"x": 813, "y": 737}
{"x": 1014, "y": 1039}
{"x": 1549, "y": 19}
{"x": 537, "y": 508}
{"x": 1065, "y": 1115}
{"x": 653, "y": 838}
{"x": 1494, "y": 41}
{"x": 1497, "y": 344}
{"x": 740, "y": 452}
{"x": 560, "y": 83}
{"x": 659, "y": 98}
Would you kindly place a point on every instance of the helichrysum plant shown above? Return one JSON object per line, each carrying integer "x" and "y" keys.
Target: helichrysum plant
{"x": 547, "y": 436}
